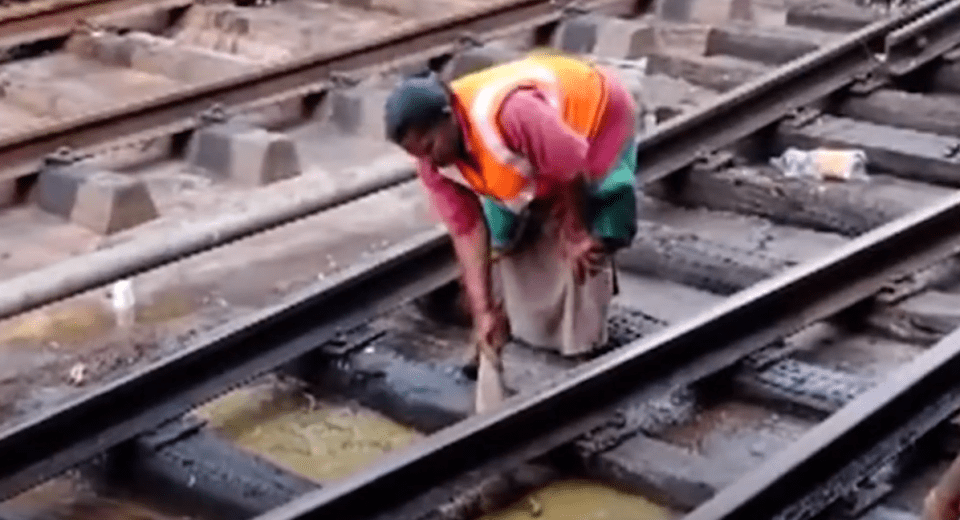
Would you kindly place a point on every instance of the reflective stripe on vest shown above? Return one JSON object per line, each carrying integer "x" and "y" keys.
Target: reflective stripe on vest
{"x": 505, "y": 175}
{"x": 483, "y": 115}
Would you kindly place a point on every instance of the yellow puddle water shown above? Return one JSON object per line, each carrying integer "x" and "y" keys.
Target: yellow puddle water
{"x": 66, "y": 499}
{"x": 88, "y": 319}
{"x": 67, "y": 324}
{"x": 322, "y": 440}
{"x": 169, "y": 305}
{"x": 582, "y": 500}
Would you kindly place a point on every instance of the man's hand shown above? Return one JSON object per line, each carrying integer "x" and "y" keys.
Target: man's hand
{"x": 941, "y": 506}
{"x": 584, "y": 253}
{"x": 492, "y": 329}
{"x": 586, "y": 256}
{"x": 943, "y": 501}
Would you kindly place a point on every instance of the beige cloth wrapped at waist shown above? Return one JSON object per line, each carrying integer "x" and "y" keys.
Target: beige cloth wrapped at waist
{"x": 546, "y": 307}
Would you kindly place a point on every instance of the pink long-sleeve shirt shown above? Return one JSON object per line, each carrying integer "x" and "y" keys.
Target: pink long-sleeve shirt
{"x": 535, "y": 130}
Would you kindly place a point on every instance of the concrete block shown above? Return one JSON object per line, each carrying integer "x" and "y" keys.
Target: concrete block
{"x": 720, "y": 11}
{"x": 185, "y": 463}
{"x": 427, "y": 396}
{"x": 801, "y": 385}
{"x": 771, "y": 46}
{"x": 705, "y": 11}
{"x": 246, "y": 155}
{"x": 932, "y": 113}
{"x": 151, "y": 17}
{"x": 577, "y": 35}
{"x": 946, "y": 78}
{"x": 666, "y": 252}
{"x": 673, "y": 10}
{"x": 108, "y": 48}
{"x": 359, "y": 111}
{"x": 719, "y": 73}
{"x": 924, "y": 318}
{"x": 625, "y": 39}
{"x": 476, "y": 59}
{"x": 935, "y": 305}
{"x": 103, "y": 201}
{"x": 606, "y": 36}
{"x": 260, "y": 51}
{"x": 258, "y": 33}
{"x": 65, "y": 97}
{"x": 830, "y": 15}
{"x": 155, "y": 55}
{"x": 846, "y": 208}
{"x": 662, "y": 471}
{"x": 187, "y": 64}
{"x": 683, "y": 38}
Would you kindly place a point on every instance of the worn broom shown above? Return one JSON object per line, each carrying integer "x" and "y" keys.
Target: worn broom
{"x": 490, "y": 390}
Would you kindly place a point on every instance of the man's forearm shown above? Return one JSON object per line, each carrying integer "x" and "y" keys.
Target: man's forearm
{"x": 949, "y": 484}
{"x": 473, "y": 252}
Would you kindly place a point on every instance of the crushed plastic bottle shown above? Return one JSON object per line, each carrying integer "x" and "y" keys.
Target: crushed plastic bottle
{"x": 822, "y": 164}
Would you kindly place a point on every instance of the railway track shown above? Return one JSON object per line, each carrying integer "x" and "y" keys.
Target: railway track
{"x": 755, "y": 309}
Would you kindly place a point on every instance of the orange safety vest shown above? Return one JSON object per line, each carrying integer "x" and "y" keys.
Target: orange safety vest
{"x": 575, "y": 88}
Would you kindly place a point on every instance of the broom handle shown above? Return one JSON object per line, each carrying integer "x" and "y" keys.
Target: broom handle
{"x": 485, "y": 349}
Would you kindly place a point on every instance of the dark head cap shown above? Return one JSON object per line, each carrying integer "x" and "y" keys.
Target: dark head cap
{"x": 417, "y": 102}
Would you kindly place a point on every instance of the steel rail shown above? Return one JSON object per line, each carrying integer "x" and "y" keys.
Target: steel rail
{"x": 532, "y": 424}
{"x": 741, "y": 112}
{"x": 850, "y": 447}
{"x": 181, "y": 110}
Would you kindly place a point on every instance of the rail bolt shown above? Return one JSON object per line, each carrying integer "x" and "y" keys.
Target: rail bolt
{"x": 467, "y": 40}
{"x": 64, "y": 156}
{"x": 952, "y": 151}
{"x": 341, "y": 79}
{"x": 575, "y": 9}
{"x": 214, "y": 115}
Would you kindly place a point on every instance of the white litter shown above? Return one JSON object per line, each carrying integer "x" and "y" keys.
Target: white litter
{"x": 124, "y": 303}
{"x": 822, "y": 164}
{"x": 78, "y": 374}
